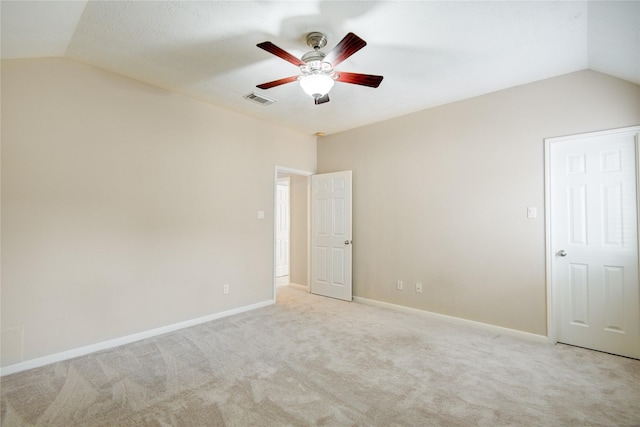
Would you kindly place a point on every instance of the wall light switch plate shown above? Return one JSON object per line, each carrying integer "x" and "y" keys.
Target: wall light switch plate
{"x": 260, "y": 214}
{"x": 532, "y": 212}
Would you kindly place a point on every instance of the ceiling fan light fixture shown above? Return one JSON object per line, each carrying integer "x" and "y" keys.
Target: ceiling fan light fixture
{"x": 316, "y": 85}
{"x": 317, "y": 68}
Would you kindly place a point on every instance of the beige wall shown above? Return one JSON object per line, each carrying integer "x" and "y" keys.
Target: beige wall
{"x": 440, "y": 196}
{"x": 126, "y": 207}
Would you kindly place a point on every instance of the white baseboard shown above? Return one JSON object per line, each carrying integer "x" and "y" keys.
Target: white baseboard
{"x": 105, "y": 345}
{"x": 457, "y": 320}
{"x": 301, "y": 287}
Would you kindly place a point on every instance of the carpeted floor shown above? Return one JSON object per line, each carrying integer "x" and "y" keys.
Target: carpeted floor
{"x": 310, "y": 360}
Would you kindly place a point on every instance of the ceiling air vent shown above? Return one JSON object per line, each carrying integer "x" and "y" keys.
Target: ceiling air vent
{"x": 262, "y": 100}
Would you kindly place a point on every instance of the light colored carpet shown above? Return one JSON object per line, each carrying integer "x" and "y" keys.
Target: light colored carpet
{"x": 310, "y": 360}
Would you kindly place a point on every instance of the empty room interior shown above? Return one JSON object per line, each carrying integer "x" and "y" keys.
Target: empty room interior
{"x": 320, "y": 213}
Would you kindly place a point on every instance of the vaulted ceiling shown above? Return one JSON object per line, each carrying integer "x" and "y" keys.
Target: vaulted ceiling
{"x": 429, "y": 52}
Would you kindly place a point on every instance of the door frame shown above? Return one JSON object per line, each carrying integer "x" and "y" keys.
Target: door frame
{"x": 552, "y": 292}
{"x": 291, "y": 171}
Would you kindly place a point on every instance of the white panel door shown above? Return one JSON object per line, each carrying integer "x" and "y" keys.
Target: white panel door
{"x": 594, "y": 241}
{"x": 331, "y": 235}
{"x": 282, "y": 227}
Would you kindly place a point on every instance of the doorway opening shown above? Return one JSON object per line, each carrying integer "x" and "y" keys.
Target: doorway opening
{"x": 283, "y": 230}
{"x": 291, "y": 229}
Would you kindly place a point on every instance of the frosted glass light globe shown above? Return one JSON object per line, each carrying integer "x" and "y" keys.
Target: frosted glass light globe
{"x": 316, "y": 85}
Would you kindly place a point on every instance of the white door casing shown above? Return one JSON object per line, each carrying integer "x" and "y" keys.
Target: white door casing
{"x": 592, "y": 230}
{"x": 331, "y": 244}
{"x": 282, "y": 227}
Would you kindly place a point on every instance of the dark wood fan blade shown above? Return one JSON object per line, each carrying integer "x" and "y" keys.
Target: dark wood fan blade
{"x": 322, "y": 100}
{"x": 349, "y": 45}
{"x": 275, "y": 83}
{"x": 272, "y": 48}
{"x": 359, "y": 79}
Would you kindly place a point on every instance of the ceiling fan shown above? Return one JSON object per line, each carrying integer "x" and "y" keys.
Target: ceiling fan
{"x": 317, "y": 68}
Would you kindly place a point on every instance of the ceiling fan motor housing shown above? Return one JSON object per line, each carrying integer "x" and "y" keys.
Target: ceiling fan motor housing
{"x": 314, "y": 55}
{"x": 314, "y": 62}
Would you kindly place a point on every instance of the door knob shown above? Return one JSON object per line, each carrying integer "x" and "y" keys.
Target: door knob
{"x": 347, "y": 242}
{"x": 562, "y": 253}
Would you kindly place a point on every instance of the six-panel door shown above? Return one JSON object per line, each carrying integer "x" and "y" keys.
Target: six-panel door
{"x": 331, "y": 235}
{"x": 594, "y": 242}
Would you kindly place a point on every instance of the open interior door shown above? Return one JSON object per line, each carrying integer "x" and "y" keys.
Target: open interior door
{"x": 331, "y": 245}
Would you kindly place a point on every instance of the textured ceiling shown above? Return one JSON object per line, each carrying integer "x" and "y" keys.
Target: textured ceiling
{"x": 430, "y": 53}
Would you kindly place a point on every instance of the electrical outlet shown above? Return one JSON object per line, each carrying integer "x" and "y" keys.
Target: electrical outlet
{"x": 399, "y": 285}
{"x": 419, "y": 288}
{"x": 226, "y": 289}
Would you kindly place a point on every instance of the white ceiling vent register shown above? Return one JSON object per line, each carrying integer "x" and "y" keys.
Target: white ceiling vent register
{"x": 262, "y": 100}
